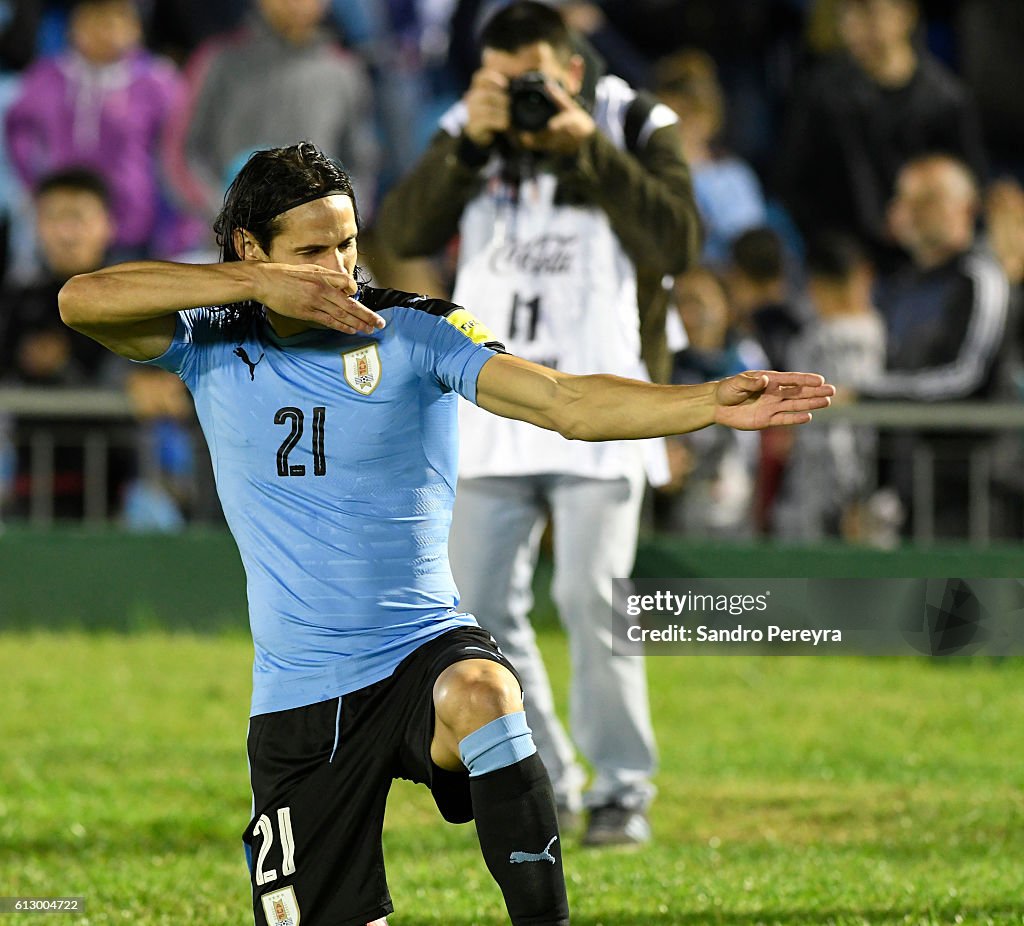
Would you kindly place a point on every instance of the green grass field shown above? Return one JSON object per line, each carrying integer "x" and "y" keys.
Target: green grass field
{"x": 792, "y": 790}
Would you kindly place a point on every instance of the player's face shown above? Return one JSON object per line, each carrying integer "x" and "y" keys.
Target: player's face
{"x": 322, "y": 232}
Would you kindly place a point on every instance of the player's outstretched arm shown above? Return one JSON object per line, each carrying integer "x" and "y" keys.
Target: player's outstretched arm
{"x": 603, "y": 407}
{"x": 130, "y": 307}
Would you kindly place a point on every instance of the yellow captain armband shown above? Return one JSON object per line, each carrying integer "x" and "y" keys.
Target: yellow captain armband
{"x": 471, "y": 327}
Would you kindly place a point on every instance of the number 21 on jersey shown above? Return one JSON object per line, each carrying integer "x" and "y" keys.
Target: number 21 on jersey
{"x": 295, "y": 418}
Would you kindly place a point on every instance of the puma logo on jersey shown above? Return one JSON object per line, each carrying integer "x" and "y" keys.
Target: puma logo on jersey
{"x": 244, "y": 357}
{"x": 518, "y": 857}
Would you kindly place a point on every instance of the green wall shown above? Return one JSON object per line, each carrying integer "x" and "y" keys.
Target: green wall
{"x": 108, "y": 579}
{"x": 669, "y": 557}
{"x": 114, "y": 580}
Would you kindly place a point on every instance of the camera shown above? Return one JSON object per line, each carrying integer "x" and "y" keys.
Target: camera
{"x": 530, "y": 104}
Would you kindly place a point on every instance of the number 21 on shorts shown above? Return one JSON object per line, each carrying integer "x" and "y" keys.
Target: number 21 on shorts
{"x": 265, "y": 829}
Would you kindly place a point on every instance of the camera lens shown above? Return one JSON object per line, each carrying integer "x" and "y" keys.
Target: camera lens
{"x": 530, "y": 104}
{"x": 531, "y": 111}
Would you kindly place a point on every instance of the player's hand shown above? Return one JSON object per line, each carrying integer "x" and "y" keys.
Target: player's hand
{"x": 765, "y": 399}
{"x": 316, "y": 295}
{"x": 486, "y": 107}
{"x": 567, "y": 129}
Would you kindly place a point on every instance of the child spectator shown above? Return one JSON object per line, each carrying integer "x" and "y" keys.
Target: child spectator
{"x": 830, "y": 476}
{"x": 103, "y": 104}
{"x": 75, "y": 229}
{"x": 759, "y": 291}
{"x": 712, "y": 483}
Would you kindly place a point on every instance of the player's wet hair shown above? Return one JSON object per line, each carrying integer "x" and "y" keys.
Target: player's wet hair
{"x": 270, "y": 183}
{"x": 526, "y": 23}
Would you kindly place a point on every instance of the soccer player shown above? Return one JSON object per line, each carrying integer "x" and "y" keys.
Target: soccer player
{"x": 329, "y": 407}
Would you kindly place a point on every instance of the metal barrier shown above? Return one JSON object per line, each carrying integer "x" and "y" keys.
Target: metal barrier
{"x": 104, "y": 419}
{"x": 101, "y": 422}
{"x": 982, "y": 418}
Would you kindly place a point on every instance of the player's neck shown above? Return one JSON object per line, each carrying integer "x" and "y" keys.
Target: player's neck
{"x": 285, "y": 327}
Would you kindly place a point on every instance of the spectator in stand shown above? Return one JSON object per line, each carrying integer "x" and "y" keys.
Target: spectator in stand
{"x": 75, "y": 230}
{"x": 1004, "y": 221}
{"x": 279, "y": 78}
{"x": 829, "y": 479}
{"x": 758, "y": 291}
{"x": 945, "y": 315}
{"x": 1004, "y": 218}
{"x": 711, "y": 490}
{"x": 946, "y": 320}
{"x": 103, "y": 104}
{"x": 75, "y": 227}
{"x": 860, "y": 116}
{"x": 728, "y": 192}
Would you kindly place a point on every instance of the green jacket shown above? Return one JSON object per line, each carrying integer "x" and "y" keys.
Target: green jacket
{"x": 647, "y": 195}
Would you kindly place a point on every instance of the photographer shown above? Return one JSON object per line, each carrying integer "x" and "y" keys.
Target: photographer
{"x": 563, "y": 186}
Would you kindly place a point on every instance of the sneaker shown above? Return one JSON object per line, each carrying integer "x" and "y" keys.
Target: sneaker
{"x": 615, "y": 825}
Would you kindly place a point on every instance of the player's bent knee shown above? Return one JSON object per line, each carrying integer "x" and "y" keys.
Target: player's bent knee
{"x": 472, "y": 693}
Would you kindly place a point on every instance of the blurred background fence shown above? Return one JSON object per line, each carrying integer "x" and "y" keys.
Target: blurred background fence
{"x": 109, "y": 450}
{"x": 92, "y": 572}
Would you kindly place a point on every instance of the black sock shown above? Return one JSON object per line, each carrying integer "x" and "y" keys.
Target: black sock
{"x": 514, "y": 808}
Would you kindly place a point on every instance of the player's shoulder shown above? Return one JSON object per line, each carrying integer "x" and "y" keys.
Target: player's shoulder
{"x": 209, "y": 325}
{"x": 416, "y": 311}
{"x": 379, "y": 299}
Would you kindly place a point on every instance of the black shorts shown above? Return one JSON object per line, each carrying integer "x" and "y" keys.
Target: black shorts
{"x": 320, "y": 779}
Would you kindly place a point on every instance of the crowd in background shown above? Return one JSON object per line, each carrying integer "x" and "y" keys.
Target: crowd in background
{"x": 856, "y": 164}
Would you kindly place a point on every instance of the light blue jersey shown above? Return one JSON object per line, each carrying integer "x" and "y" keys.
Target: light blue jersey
{"x": 335, "y": 458}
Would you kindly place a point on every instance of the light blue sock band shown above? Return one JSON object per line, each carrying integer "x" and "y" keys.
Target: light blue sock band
{"x": 498, "y": 744}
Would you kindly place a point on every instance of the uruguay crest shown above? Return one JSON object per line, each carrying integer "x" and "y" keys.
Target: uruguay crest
{"x": 362, "y": 368}
{"x": 281, "y": 907}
